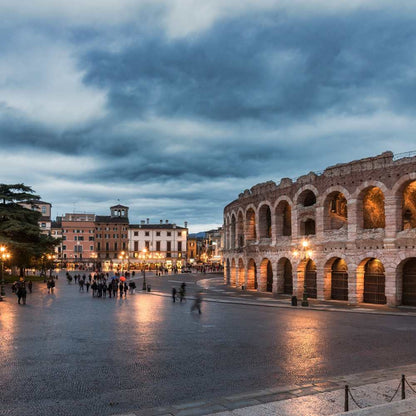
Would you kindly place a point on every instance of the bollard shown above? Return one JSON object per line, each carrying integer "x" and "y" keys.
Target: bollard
{"x": 403, "y": 387}
{"x": 346, "y": 399}
{"x": 294, "y": 301}
{"x": 149, "y": 288}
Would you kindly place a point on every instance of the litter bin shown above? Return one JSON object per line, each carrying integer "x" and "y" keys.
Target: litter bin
{"x": 294, "y": 301}
{"x": 149, "y": 288}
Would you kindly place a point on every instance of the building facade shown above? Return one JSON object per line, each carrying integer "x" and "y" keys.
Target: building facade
{"x": 45, "y": 209}
{"x": 157, "y": 245}
{"x": 78, "y": 234}
{"x": 357, "y": 219}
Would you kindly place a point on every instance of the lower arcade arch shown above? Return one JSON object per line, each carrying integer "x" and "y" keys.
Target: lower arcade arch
{"x": 233, "y": 274}
{"x": 227, "y": 272}
{"x": 266, "y": 273}
{"x": 310, "y": 279}
{"x": 252, "y": 275}
{"x": 339, "y": 279}
{"x": 284, "y": 276}
{"x": 241, "y": 273}
{"x": 374, "y": 282}
{"x": 409, "y": 282}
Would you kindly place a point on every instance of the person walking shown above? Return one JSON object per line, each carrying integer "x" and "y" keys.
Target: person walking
{"x": 29, "y": 285}
{"x": 87, "y": 285}
{"x": 174, "y": 294}
{"x": 197, "y": 302}
{"x": 104, "y": 290}
{"x": 126, "y": 288}
{"x": 120, "y": 288}
{"x": 182, "y": 292}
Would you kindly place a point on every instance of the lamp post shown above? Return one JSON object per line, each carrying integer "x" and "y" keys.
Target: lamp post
{"x": 124, "y": 256}
{"x": 51, "y": 259}
{"x": 4, "y": 255}
{"x": 144, "y": 254}
{"x": 306, "y": 254}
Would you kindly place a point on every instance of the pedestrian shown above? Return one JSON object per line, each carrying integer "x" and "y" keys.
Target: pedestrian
{"x": 21, "y": 293}
{"x": 174, "y": 294}
{"x": 94, "y": 288}
{"x": 87, "y": 285}
{"x": 81, "y": 285}
{"x": 29, "y": 285}
{"x": 104, "y": 290}
{"x": 115, "y": 288}
{"x": 197, "y": 302}
{"x": 125, "y": 289}
{"x": 182, "y": 292}
{"x": 121, "y": 286}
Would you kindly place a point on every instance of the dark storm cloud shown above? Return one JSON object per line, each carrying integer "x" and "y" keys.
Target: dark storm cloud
{"x": 264, "y": 67}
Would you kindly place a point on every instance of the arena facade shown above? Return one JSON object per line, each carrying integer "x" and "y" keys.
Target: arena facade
{"x": 358, "y": 220}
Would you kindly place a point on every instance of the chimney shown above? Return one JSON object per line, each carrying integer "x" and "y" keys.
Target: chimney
{"x": 167, "y": 221}
{"x": 161, "y": 221}
{"x": 147, "y": 220}
{"x": 186, "y": 224}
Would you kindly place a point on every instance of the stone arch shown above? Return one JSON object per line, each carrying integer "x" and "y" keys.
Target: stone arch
{"x": 251, "y": 275}
{"x": 336, "y": 279}
{"x": 241, "y": 278}
{"x": 233, "y": 274}
{"x": 310, "y": 279}
{"x": 335, "y": 211}
{"x": 407, "y": 281}
{"x": 266, "y": 275}
{"x": 283, "y": 218}
{"x": 250, "y": 225}
{"x": 265, "y": 221}
{"x": 371, "y": 279}
{"x": 284, "y": 276}
{"x": 298, "y": 198}
{"x": 240, "y": 228}
{"x": 233, "y": 230}
{"x": 407, "y": 205}
{"x": 370, "y": 206}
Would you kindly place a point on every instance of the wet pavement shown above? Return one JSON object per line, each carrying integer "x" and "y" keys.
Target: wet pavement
{"x": 71, "y": 354}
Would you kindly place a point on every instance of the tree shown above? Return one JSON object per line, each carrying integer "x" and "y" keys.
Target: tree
{"x": 19, "y": 227}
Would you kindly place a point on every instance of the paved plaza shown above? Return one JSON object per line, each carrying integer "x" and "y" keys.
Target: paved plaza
{"x": 70, "y": 354}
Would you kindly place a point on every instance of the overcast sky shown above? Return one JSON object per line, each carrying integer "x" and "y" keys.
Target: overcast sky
{"x": 174, "y": 107}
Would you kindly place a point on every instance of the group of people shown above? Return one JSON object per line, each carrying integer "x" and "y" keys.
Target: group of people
{"x": 180, "y": 295}
{"x": 102, "y": 286}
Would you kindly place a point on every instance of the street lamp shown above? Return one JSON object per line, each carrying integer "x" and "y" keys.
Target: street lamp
{"x": 4, "y": 255}
{"x": 144, "y": 254}
{"x": 306, "y": 254}
{"x": 94, "y": 257}
{"x": 51, "y": 259}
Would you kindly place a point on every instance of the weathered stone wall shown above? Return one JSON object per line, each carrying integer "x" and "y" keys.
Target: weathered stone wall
{"x": 351, "y": 200}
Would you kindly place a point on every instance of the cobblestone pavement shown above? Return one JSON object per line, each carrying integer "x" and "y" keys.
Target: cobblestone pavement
{"x": 69, "y": 354}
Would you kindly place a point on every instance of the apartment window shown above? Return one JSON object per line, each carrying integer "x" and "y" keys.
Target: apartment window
{"x": 63, "y": 248}
{"x": 114, "y": 236}
{"x": 179, "y": 234}
{"x": 107, "y": 246}
{"x": 115, "y": 246}
{"x": 179, "y": 245}
{"x": 136, "y": 246}
{"x": 124, "y": 245}
{"x": 63, "y": 237}
{"x": 147, "y": 233}
{"x": 43, "y": 210}
{"x": 168, "y": 246}
{"x": 91, "y": 248}
{"x": 80, "y": 238}
{"x": 157, "y": 245}
{"x": 98, "y": 246}
{"x": 114, "y": 228}
{"x": 78, "y": 249}
{"x": 43, "y": 224}
{"x": 136, "y": 233}
{"x": 168, "y": 233}
{"x": 157, "y": 233}
{"x": 147, "y": 245}
{"x": 91, "y": 238}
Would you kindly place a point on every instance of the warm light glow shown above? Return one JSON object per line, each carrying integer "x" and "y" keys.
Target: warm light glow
{"x": 2, "y": 249}
{"x": 145, "y": 250}
{"x": 304, "y": 243}
{"x": 310, "y": 253}
{"x": 296, "y": 253}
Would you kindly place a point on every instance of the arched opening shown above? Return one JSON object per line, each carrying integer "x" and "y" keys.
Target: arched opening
{"x": 233, "y": 229}
{"x": 265, "y": 222}
{"x": 310, "y": 279}
{"x": 233, "y": 276}
{"x": 308, "y": 227}
{"x": 250, "y": 224}
{"x": 283, "y": 219}
{"x": 227, "y": 272}
{"x": 335, "y": 211}
{"x": 373, "y": 208}
{"x": 409, "y": 206}
{"x": 307, "y": 198}
{"x": 409, "y": 283}
{"x": 339, "y": 280}
{"x": 240, "y": 275}
{"x": 240, "y": 230}
{"x": 266, "y": 272}
{"x": 374, "y": 282}
{"x": 287, "y": 277}
{"x": 251, "y": 275}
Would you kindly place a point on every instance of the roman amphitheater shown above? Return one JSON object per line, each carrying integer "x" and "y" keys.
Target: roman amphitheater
{"x": 359, "y": 223}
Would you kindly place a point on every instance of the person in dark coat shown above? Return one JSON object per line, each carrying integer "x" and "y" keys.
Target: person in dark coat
{"x": 21, "y": 293}
{"x": 174, "y": 294}
{"x": 120, "y": 288}
{"x": 30, "y": 285}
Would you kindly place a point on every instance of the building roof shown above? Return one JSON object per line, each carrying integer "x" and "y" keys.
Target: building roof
{"x": 56, "y": 224}
{"x": 110, "y": 219}
{"x": 156, "y": 227}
